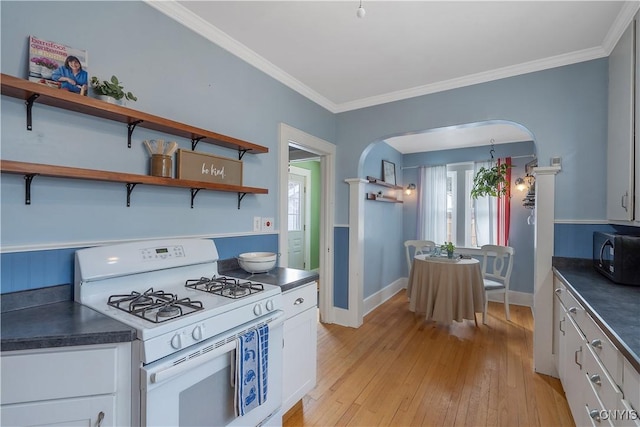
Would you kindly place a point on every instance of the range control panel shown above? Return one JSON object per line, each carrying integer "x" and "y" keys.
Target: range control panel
{"x": 160, "y": 253}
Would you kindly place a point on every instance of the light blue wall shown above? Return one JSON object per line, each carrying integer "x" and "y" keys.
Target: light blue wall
{"x": 176, "y": 74}
{"x": 564, "y": 108}
{"x": 383, "y": 225}
{"x": 179, "y": 75}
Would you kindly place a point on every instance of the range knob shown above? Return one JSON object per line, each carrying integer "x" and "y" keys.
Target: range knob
{"x": 269, "y": 305}
{"x": 176, "y": 341}
{"x": 257, "y": 310}
{"x": 197, "y": 333}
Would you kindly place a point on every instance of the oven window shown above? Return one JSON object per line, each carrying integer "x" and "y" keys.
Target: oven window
{"x": 209, "y": 402}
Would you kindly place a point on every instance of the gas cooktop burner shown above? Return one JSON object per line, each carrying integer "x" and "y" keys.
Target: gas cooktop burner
{"x": 224, "y": 286}
{"x": 154, "y": 306}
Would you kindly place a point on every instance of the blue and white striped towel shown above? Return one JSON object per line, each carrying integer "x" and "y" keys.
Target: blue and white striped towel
{"x": 251, "y": 369}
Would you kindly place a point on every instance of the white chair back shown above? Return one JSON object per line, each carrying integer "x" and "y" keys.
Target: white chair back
{"x": 497, "y": 263}
{"x": 417, "y": 247}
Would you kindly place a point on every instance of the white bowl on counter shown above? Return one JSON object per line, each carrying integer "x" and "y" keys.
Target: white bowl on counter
{"x": 257, "y": 262}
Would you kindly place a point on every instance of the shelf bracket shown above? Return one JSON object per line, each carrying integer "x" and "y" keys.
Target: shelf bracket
{"x": 240, "y": 197}
{"x": 27, "y": 188}
{"x": 241, "y": 153}
{"x": 130, "y": 187}
{"x": 130, "y": 127}
{"x": 29, "y": 104}
{"x": 194, "y": 191}
{"x": 194, "y": 142}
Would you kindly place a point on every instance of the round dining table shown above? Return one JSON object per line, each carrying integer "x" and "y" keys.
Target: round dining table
{"x": 446, "y": 289}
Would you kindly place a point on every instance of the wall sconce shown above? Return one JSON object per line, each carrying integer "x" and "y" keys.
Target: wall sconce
{"x": 409, "y": 189}
{"x": 525, "y": 183}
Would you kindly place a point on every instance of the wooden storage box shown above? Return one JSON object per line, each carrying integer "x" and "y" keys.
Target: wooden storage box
{"x": 197, "y": 166}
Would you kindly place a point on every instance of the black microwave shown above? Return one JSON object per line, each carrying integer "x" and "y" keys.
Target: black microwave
{"x": 617, "y": 256}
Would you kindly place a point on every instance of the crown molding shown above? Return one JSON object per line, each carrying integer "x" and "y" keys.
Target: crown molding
{"x": 179, "y": 13}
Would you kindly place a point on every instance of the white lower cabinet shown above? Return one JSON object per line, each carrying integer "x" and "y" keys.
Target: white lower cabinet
{"x": 601, "y": 386}
{"x": 300, "y": 343}
{"x": 82, "y": 385}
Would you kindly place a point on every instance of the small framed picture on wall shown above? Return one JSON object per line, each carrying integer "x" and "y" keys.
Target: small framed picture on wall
{"x": 389, "y": 172}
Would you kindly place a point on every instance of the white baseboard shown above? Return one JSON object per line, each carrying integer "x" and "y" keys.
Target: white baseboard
{"x": 342, "y": 317}
{"x": 377, "y": 299}
{"x": 515, "y": 298}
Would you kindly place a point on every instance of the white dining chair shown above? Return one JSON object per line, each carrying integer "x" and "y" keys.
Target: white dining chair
{"x": 417, "y": 247}
{"x": 497, "y": 263}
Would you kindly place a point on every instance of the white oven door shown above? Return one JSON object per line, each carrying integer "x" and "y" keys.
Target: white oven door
{"x": 194, "y": 387}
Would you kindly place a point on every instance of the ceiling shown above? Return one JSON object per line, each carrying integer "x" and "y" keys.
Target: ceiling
{"x": 402, "y": 49}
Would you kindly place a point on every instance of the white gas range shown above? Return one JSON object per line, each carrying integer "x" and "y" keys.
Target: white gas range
{"x": 188, "y": 320}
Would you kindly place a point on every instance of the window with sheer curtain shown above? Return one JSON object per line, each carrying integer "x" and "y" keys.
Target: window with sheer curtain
{"x": 446, "y": 211}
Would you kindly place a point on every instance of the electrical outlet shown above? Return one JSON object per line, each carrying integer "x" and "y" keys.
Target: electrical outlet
{"x": 267, "y": 224}
{"x": 257, "y": 223}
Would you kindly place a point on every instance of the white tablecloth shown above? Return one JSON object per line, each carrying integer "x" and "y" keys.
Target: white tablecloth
{"x": 446, "y": 290}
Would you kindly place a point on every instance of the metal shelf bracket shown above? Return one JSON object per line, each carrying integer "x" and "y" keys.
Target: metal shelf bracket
{"x": 130, "y": 187}
{"x": 29, "y": 104}
{"x": 27, "y": 188}
{"x": 130, "y": 127}
{"x": 241, "y": 153}
{"x": 194, "y": 142}
{"x": 194, "y": 192}
{"x": 240, "y": 197}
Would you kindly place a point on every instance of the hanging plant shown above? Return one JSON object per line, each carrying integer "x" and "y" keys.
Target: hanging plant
{"x": 490, "y": 182}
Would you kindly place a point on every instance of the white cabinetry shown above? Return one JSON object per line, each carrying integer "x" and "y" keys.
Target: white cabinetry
{"x": 83, "y": 385}
{"x": 300, "y": 343}
{"x": 601, "y": 386}
{"x": 623, "y": 203}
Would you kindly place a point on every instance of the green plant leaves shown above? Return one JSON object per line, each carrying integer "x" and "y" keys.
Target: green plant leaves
{"x": 490, "y": 182}
{"x": 111, "y": 88}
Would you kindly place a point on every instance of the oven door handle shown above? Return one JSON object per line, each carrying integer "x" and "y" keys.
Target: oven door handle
{"x": 172, "y": 371}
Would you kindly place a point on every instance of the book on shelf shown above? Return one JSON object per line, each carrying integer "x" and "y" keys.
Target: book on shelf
{"x": 57, "y": 65}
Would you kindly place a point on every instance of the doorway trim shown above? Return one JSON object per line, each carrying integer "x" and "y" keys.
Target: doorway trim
{"x": 288, "y": 135}
{"x": 306, "y": 220}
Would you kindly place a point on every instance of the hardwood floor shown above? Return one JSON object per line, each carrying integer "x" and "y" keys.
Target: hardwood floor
{"x": 399, "y": 370}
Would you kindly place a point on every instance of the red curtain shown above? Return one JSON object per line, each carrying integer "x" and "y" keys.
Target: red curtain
{"x": 504, "y": 207}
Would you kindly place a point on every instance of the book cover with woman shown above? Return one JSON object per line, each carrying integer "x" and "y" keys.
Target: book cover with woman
{"x": 58, "y": 65}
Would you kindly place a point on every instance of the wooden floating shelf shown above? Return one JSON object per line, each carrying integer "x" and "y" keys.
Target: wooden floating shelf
{"x": 30, "y": 170}
{"x": 377, "y": 181}
{"x": 379, "y": 198}
{"x": 38, "y": 93}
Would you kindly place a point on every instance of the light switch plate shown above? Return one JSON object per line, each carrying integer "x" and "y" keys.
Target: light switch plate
{"x": 267, "y": 224}
{"x": 257, "y": 223}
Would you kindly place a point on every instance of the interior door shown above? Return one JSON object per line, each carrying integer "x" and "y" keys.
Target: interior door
{"x": 296, "y": 218}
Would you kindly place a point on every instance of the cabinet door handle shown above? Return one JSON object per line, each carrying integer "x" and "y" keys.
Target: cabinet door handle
{"x": 298, "y": 301}
{"x": 100, "y": 418}
{"x": 560, "y": 326}
{"x": 595, "y": 414}
{"x": 597, "y": 344}
{"x": 623, "y": 200}
{"x": 558, "y": 291}
{"x": 595, "y": 378}
{"x": 575, "y": 357}
{"x": 573, "y": 310}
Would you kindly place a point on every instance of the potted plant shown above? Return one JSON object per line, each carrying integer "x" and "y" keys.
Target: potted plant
{"x": 490, "y": 181}
{"x": 111, "y": 90}
{"x": 449, "y": 247}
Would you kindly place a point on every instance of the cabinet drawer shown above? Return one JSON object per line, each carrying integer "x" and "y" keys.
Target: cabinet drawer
{"x": 595, "y": 413}
{"x": 626, "y": 416}
{"x": 601, "y": 382}
{"x": 56, "y": 374}
{"x": 300, "y": 299}
{"x": 603, "y": 349}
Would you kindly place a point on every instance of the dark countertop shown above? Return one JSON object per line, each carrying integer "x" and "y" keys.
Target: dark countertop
{"x": 60, "y": 324}
{"x": 49, "y": 317}
{"x": 286, "y": 278}
{"x": 615, "y": 308}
